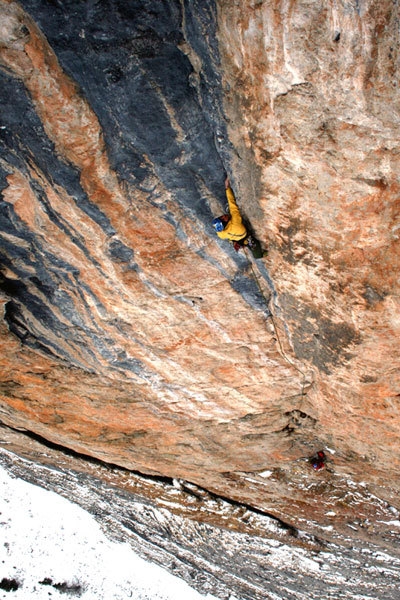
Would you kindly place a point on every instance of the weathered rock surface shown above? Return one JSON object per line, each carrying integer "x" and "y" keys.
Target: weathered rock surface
{"x": 218, "y": 546}
{"x": 129, "y": 333}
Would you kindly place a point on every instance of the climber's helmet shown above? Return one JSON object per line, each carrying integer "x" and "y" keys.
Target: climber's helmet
{"x": 221, "y": 222}
{"x": 218, "y": 224}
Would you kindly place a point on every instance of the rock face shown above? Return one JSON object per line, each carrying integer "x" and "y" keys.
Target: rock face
{"x": 130, "y": 333}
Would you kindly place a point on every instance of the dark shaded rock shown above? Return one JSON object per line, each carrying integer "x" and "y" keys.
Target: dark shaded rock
{"x": 9, "y": 585}
{"x": 136, "y": 78}
{"x": 317, "y": 339}
{"x": 70, "y": 589}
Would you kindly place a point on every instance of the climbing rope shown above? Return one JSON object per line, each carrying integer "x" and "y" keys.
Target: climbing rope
{"x": 271, "y": 316}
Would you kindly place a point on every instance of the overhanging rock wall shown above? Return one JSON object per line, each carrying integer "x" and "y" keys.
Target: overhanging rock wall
{"x": 129, "y": 332}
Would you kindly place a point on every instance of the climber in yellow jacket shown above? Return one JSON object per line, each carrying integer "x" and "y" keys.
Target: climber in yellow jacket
{"x": 230, "y": 227}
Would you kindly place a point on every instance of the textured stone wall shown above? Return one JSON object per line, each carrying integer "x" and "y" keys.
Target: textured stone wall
{"x": 129, "y": 332}
{"x": 312, "y": 95}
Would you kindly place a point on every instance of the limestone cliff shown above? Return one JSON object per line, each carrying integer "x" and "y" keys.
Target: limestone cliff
{"x": 129, "y": 332}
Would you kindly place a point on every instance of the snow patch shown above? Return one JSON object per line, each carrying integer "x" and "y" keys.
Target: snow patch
{"x": 395, "y": 523}
{"x": 265, "y": 474}
{"x": 52, "y": 548}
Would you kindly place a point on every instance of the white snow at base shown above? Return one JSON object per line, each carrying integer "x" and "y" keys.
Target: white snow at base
{"x": 44, "y": 537}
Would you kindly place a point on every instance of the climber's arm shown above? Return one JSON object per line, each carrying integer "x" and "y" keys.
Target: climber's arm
{"x": 233, "y": 208}
{"x": 234, "y": 230}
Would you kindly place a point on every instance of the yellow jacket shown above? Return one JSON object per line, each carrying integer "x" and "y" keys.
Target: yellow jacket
{"x": 234, "y": 229}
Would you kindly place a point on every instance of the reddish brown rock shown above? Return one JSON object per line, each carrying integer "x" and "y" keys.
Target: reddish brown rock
{"x": 131, "y": 335}
{"x": 313, "y": 103}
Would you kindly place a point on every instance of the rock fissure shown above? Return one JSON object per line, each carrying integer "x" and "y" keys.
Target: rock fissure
{"x": 306, "y": 382}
